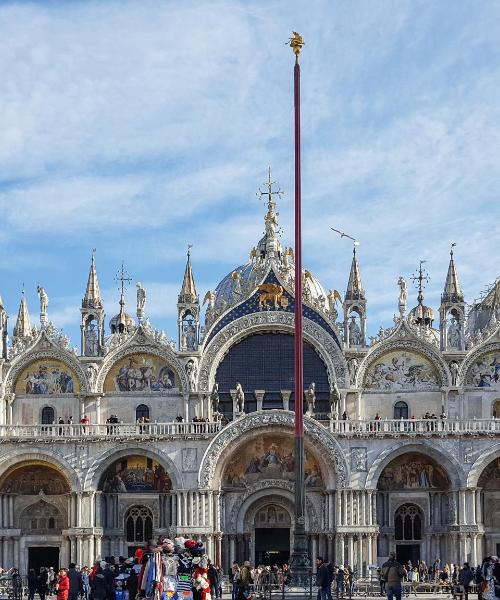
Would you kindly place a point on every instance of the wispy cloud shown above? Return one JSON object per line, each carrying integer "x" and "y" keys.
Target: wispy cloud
{"x": 139, "y": 127}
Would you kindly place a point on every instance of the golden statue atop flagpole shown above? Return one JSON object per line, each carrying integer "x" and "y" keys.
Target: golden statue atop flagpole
{"x": 296, "y": 43}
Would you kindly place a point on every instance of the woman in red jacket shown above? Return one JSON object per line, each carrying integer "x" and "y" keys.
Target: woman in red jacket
{"x": 62, "y": 585}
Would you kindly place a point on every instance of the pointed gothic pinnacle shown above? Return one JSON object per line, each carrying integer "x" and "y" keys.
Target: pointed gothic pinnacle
{"x": 92, "y": 297}
{"x": 22, "y": 328}
{"x": 452, "y": 290}
{"x": 188, "y": 294}
{"x": 355, "y": 290}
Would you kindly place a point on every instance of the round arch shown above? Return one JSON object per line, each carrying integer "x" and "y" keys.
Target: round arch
{"x": 139, "y": 344}
{"x": 475, "y": 355}
{"x": 99, "y": 467}
{"x": 448, "y": 462}
{"x": 410, "y": 345}
{"x": 50, "y": 353}
{"x": 328, "y": 450}
{"x": 275, "y": 321}
{"x": 256, "y": 496}
{"x": 480, "y": 465}
{"x": 15, "y": 460}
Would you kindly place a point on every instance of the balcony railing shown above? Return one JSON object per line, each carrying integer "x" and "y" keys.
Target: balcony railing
{"x": 415, "y": 427}
{"x": 115, "y": 430}
{"x": 349, "y": 428}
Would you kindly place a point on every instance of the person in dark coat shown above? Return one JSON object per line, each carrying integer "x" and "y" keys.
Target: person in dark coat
{"x": 213, "y": 577}
{"x": 322, "y": 579}
{"x": 465, "y": 577}
{"x": 99, "y": 586}
{"x": 32, "y": 584}
{"x": 132, "y": 584}
{"x": 75, "y": 582}
{"x": 43, "y": 583}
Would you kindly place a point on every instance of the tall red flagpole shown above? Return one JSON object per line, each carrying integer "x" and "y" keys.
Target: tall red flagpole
{"x": 299, "y": 560}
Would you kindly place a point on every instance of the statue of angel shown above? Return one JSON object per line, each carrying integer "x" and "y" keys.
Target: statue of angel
{"x": 311, "y": 398}
{"x": 240, "y": 398}
{"x": 44, "y": 299}
{"x": 403, "y": 295}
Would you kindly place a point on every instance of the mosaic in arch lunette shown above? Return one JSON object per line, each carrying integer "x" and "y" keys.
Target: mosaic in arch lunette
{"x": 413, "y": 471}
{"x": 33, "y": 478}
{"x": 47, "y": 377}
{"x": 485, "y": 372}
{"x": 140, "y": 373}
{"x": 135, "y": 474}
{"x": 269, "y": 457}
{"x": 399, "y": 370}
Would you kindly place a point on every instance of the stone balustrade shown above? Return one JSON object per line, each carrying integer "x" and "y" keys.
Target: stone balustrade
{"x": 343, "y": 428}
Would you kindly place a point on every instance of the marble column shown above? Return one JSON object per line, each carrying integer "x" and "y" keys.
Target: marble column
{"x": 232, "y": 549}
{"x": 259, "y": 397}
{"x": 350, "y": 548}
{"x": 314, "y": 551}
{"x": 285, "y": 396}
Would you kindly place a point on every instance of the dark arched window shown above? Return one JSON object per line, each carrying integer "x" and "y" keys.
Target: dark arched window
{"x": 266, "y": 362}
{"x": 142, "y": 412}
{"x": 48, "y": 415}
{"x": 408, "y": 523}
{"x": 138, "y": 524}
{"x": 401, "y": 410}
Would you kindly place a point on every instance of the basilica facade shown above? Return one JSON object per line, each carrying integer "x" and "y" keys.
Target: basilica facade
{"x": 133, "y": 435}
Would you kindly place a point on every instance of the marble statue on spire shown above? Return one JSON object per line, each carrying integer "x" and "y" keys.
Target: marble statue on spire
{"x": 44, "y": 305}
{"x": 141, "y": 301}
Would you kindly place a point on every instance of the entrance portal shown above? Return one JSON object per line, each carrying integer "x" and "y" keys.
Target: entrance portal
{"x": 43, "y": 556}
{"x": 272, "y": 546}
{"x": 406, "y": 552}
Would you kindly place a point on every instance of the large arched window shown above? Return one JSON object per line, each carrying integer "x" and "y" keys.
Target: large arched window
{"x": 48, "y": 415}
{"x": 138, "y": 524}
{"x": 266, "y": 362}
{"x": 401, "y": 410}
{"x": 408, "y": 523}
{"x": 142, "y": 412}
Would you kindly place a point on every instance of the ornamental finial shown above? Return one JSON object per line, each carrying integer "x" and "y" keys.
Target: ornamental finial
{"x": 296, "y": 43}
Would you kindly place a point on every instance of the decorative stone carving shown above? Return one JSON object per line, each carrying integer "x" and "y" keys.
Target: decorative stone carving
{"x": 325, "y": 345}
{"x": 189, "y": 459}
{"x": 412, "y": 345}
{"x": 320, "y": 436}
{"x": 314, "y": 525}
{"x": 359, "y": 460}
{"x": 191, "y": 372}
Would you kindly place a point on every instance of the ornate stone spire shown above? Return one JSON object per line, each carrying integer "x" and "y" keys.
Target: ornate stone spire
{"x": 22, "y": 328}
{"x": 269, "y": 246}
{"x": 92, "y": 297}
{"x": 452, "y": 290}
{"x": 355, "y": 290}
{"x": 188, "y": 293}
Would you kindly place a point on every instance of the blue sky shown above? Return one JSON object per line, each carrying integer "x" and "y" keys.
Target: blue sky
{"x": 137, "y": 127}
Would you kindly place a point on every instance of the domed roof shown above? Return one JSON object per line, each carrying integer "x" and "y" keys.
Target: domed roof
{"x": 121, "y": 322}
{"x": 268, "y": 254}
{"x": 422, "y": 314}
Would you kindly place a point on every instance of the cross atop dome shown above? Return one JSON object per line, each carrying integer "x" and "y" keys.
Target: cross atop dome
{"x": 269, "y": 245}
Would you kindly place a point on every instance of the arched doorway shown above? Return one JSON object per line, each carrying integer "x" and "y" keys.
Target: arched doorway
{"x": 38, "y": 492}
{"x": 272, "y": 535}
{"x": 135, "y": 502}
{"x": 489, "y": 483}
{"x": 413, "y": 499}
{"x": 401, "y": 410}
{"x": 408, "y": 526}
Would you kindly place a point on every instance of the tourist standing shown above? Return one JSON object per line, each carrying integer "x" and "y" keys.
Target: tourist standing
{"x": 75, "y": 582}
{"x": 322, "y": 578}
{"x": 393, "y": 572}
{"x": 340, "y": 581}
{"x": 62, "y": 585}
{"x": 32, "y": 584}
{"x": 465, "y": 576}
{"x": 43, "y": 583}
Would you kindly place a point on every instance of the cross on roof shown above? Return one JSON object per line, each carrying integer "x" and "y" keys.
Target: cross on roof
{"x": 269, "y": 192}
{"x": 419, "y": 279}
{"x": 122, "y": 277}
